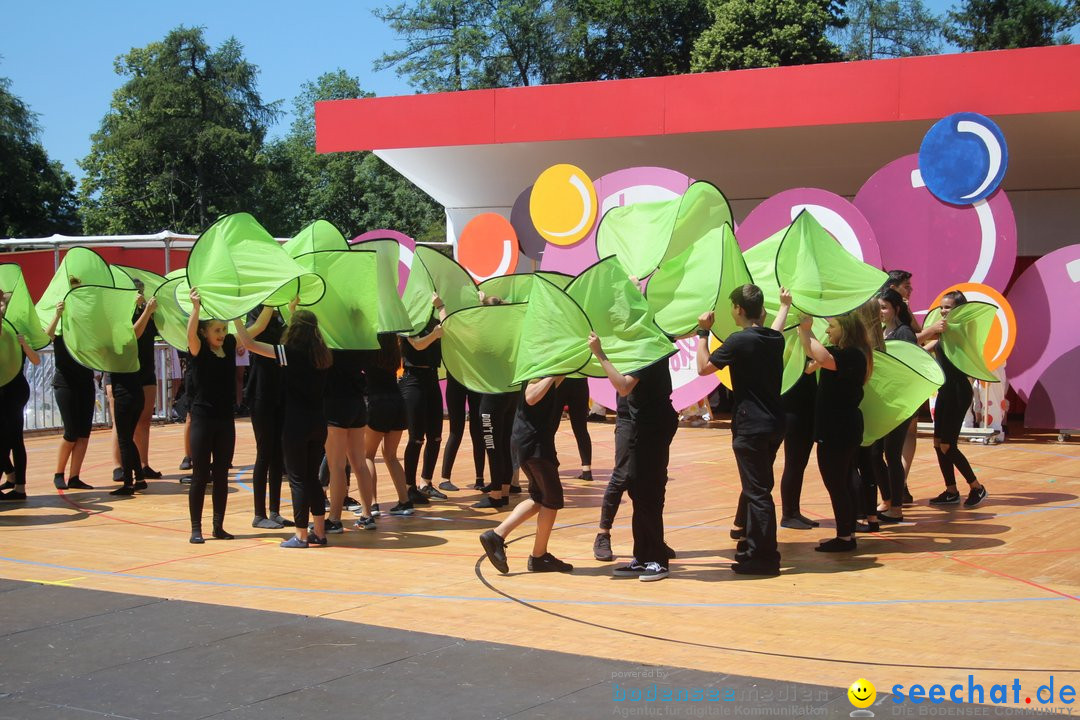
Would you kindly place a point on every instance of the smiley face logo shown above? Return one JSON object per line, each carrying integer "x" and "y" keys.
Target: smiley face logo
{"x": 862, "y": 693}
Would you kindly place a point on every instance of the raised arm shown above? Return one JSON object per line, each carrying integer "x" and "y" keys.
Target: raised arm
{"x": 194, "y": 343}
{"x": 781, "y": 316}
{"x": 51, "y": 330}
{"x": 144, "y": 319}
{"x": 256, "y": 328}
{"x": 704, "y": 322}
{"x": 256, "y": 346}
{"x": 537, "y": 389}
{"x": 623, "y": 384}
{"x": 441, "y": 306}
{"x": 31, "y": 353}
{"x": 813, "y": 348}
{"x": 422, "y": 343}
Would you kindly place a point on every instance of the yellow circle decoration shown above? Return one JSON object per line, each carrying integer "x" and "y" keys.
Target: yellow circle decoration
{"x": 563, "y": 204}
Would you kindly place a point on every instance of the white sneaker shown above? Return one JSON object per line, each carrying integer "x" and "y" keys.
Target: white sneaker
{"x": 653, "y": 571}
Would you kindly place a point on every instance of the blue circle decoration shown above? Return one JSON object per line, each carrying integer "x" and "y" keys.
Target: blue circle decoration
{"x": 963, "y": 158}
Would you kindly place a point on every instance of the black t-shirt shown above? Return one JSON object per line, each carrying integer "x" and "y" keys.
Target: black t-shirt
{"x": 535, "y": 425}
{"x": 304, "y": 388}
{"x": 147, "y": 372}
{"x": 649, "y": 403}
{"x": 799, "y": 400}
{"x": 264, "y": 388}
{"x": 69, "y": 374}
{"x": 214, "y": 381}
{"x": 429, "y": 357}
{"x": 838, "y": 420}
{"x": 346, "y": 375}
{"x": 381, "y": 381}
{"x": 902, "y": 332}
{"x": 756, "y": 358}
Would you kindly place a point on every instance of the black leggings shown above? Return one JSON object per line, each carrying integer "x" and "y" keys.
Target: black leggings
{"x": 267, "y": 423}
{"x": 893, "y": 490}
{"x": 497, "y": 418}
{"x": 212, "y": 444}
{"x": 303, "y": 453}
{"x": 15, "y": 395}
{"x": 574, "y": 394}
{"x": 76, "y": 405}
{"x": 951, "y": 461}
{"x": 798, "y": 442}
{"x": 870, "y": 476}
{"x": 424, "y": 414}
{"x": 834, "y": 463}
{"x": 650, "y": 448}
{"x": 456, "y": 397}
{"x": 953, "y": 403}
{"x": 128, "y": 402}
{"x": 609, "y": 506}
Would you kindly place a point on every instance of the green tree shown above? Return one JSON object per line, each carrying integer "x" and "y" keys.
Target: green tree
{"x": 1003, "y": 24}
{"x": 768, "y": 33}
{"x": 37, "y": 196}
{"x": 890, "y": 28}
{"x": 180, "y": 143}
{"x": 356, "y": 191}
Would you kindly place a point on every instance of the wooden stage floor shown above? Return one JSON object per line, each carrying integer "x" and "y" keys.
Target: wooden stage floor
{"x": 993, "y": 592}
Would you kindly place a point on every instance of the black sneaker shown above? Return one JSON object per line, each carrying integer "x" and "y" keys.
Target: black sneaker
{"x": 58, "y": 481}
{"x": 975, "y": 497}
{"x": 364, "y": 523}
{"x": 515, "y": 489}
{"x": 489, "y": 502}
{"x": 837, "y": 545}
{"x": 432, "y": 493}
{"x": 13, "y": 496}
{"x": 7, "y": 485}
{"x": 669, "y": 552}
{"x": 351, "y": 504}
{"x": 314, "y": 540}
{"x": 601, "y": 547}
{"x": 548, "y": 563}
{"x": 186, "y": 480}
{"x": 479, "y": 484}
{"x": 867, "y": 527}
{"x": 495, "y": 548}
{"x": 653, "y": 572}
{"x": 908, "y": 500}
{"x": 404, "y": 508}
{"x": 118, "y": 474}
{"x": 334, "y": 527}
{"x": 585, "y": 475}
{"x": 417, "y": 498}
{"x": 946, "y": 498}
{"x": 185, "y": 464}
{"x": 631, "y": 569}
{"x": 124, "y": 491}
{"x": 448, "y": 486}
{"x": 375, "y": 512}
{"x": 743, "y": 568}
{"x": 140, "y": 485}
{"x": 150, "y": 473}
{"x": 77, "y": 484}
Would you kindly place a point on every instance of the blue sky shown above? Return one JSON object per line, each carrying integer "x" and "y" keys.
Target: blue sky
{"x": 59, "y": 54}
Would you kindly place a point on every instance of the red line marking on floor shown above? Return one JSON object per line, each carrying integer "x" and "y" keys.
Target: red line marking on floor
{"x": 105, "y": 514}
{"x": 191, "y": 557}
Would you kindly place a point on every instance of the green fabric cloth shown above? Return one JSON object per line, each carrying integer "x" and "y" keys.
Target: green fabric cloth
{"x": 20, "y": 308}
{"x": 904, "y": 377}
{"x": 733, "y": 274}
{"x": 620, "y": 316}
{"x": 687, "y": 285}
{"x": 643, "y": 235}
{"x": 11, "y": 353}
{"x": 170, "y": 318}
{"x": 316, "y": 237}
{"x": 237, "y": 266}
{"x": 480, "y": 346}
{"x": 966, "y": 331}
{"x": 393, "y": 317}
{"x": 78, "y": 262}
{"x": 348, "y": 310}
{"x": 98, "y": 329}
{"x": 508, "y": 288}
{"x": 151, "y": 280}
{"x": 823, "y": 278}
{"x": 434, "y": 272}
{"x": 554, "y": 335}
{"x": 558, "y": 279}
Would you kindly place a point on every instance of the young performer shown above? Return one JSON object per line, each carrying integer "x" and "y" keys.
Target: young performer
{"x": 346, "y": 416}
{"x": 421, "y": 357}
{"x": 73, "y": 385}
{"x": 386, "y": 421}
{"x": 798, "y": 405}
{"x": 129, "y": 400}
{"x": 870, "y": 472}
{"x": 265, "y": 396}
{"x": 755, "y": 355}
{"x": 534, "y": 437}
{"x": 457, "y": 395}
{"x": 213, "y": 430}
{"x": 574, "y": 396}
{"x": 953, "y": 403}
{"x": 896, "y": 319}
{"x": 13, "y": 398}
{"x": 305, "y": 360}
{"x": 651, "y": 427}
{"x": 845, "y": 367}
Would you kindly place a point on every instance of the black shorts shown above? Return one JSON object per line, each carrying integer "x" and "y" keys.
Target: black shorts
{"x": 545, "y": 486}
{"x": 348, "y": 411}
{"x": 76, "y": 405}
{"x": 386, "y": 413}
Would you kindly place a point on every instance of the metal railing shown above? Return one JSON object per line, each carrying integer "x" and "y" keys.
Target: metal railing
{"x": 42, "y": 414}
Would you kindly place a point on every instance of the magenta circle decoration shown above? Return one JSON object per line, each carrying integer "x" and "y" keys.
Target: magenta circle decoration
{"x": 405, "y": 254}
{"x": 940, "y": 244}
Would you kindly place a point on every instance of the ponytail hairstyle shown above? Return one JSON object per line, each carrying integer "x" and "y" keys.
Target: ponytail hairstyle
{"x": 900, "y": 308}
{"x": 853, "y": 333}
{"x": 303, "y": 336}
{"x": 388, "y": 356}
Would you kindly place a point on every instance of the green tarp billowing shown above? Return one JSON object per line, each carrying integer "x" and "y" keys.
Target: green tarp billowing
{"x": 151, "y": 280}
{"x": 20, "y": 308}
{"x": 98, "y": 329}
{"x": 904, "y": 377}
{"x": 237, "y": 266}
{"x": 643, "y": 235}
{"x": 78, "y": 262}
{"x": 348, "y": 310}
{"x": 620, "y": 316}
{"x": 733, "y": 274}
{"x": 434, "y": 272}
{"x": 554, "y": 335}
{"x": 393, "y": 317}
{"x": 480, "y": 346}
{"x": 966, "y": 330}
{"x": 558, "y": 279}
{"x": 687, "y": 285}
{"x": 11, "y": 353}
{"x": 508, "y": 288}
{"x": 823, "y": 278}
{"x": 170, "y": 318}
{"x": 316, "y": 237}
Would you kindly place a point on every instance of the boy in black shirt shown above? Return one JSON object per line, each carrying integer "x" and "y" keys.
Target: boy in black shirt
{"x": 755, "y": 355}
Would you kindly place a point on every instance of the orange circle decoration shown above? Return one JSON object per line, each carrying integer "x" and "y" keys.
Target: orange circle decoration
{"x": 723, "y": 373}
{"x": 1002, "y": 338}
{"x": 563, "y": 204}
{"x": 487, "y": 247}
